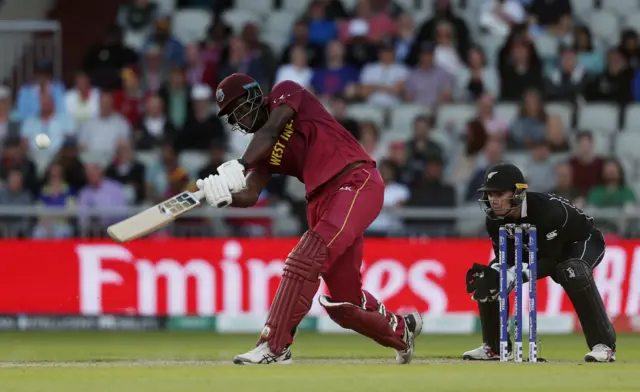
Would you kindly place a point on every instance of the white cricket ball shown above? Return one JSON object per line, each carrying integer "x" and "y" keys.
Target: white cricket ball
{"x": 43, "y": 141}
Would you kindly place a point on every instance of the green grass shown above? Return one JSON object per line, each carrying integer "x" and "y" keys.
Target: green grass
{"x": 107, "y": 361}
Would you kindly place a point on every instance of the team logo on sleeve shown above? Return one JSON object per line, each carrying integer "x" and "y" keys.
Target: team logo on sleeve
{"x": 220, "y": 95}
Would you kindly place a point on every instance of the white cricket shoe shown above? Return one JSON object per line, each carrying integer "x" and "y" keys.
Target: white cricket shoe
{"x": 413, "y": 328}
{"x": 484, "y": 353}
{"x": 600, "y": 353}
{"x": 262, "y": 355}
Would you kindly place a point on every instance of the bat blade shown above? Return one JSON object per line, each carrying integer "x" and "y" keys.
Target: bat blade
{"x": 154, "y": 218}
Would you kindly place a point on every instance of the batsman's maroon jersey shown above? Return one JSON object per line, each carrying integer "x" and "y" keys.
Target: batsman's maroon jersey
{"x": 313, "y": 146}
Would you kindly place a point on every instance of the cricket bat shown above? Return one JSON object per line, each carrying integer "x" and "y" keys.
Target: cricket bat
{"x": 155, "y": 217}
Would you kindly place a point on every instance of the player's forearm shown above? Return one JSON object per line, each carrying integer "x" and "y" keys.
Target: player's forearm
{"x": 244, "y": 199}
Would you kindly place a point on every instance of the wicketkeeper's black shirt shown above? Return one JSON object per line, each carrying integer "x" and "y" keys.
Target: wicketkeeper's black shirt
{"x": 559, "y": 226}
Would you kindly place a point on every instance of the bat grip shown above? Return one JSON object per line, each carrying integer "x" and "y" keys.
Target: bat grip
{"x": 200, "y": 196}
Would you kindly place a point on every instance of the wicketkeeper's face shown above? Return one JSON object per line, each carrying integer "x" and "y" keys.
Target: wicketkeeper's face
{"x": 500, "y": 202}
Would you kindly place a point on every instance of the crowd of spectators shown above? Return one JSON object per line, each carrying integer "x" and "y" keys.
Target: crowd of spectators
{"x": 143, "y": 90}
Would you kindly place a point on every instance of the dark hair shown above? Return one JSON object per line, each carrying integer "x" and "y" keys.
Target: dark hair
{"x": 621, "y": 180}
{"x": 478, "y": 49}
{"x": 372, "y": 125}
{"x": 585, "y": 30}
{"x": 423, "y": 117}
{"x": 476, "y": 137}
{"x": 584, "y": 134}
{"x": 542, "y": 116}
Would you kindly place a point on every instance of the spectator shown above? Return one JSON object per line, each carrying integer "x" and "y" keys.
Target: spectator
{"x": 614, "y": 85}
{"x": 154, "y": 70}
{"x": 442, "y": 12}
{"x": 405, "y": 36}
{"x": 429, "y": 84}
{"x": 99, "y": 194}
{"x": 382, "y": 82}
{"x": 493, "y": 126}
{"x": 339, "y": 112}
{"x": 380, "y": 24}
{"x": 204, "y": 127}
{"x": 28, "y": 101}
{"x": 240, "y": 61}
{"x": 389, "y": 7}
{"x": 398, "y": 156}
{"x": 259, "y": 50}
{"x": 175, "y": 96}
{"x": 519, "y": 36}
{"x": 614, "y": 191}
{"x": 216, "y": 158}
{"x": 395, "y": 196}
{"x": 586, "y": 166}
{"x": 553, "y": 16}
{"x": 567, "y": 81}
{"x": 105, "y": 60}
{"x": 539, "y": 168}
{"x": 520, "y": 74}
{"x": 214, "y": 44}
{"x": 465, "y": 158}
{"x": 478, "y": 78}
{"x": 300, "y": 37}
{"x": 101, "y": 135}
{"x": 72, "y": 166}
{"x": 158, "y": 174}
{"x": 446, "y": 55}
{"x": 55, "y": 124}
{"x": 360, "y": 51}
{"x": 431, "y": 191}
{"x": 9, "y": 122}
{"x": 420, "y": 148}
{"x": 321, "y": 28}
{"x": 296, "y": 69}
{"x": 336, "y": 77}
{"x": 535, "y": 125}
{"x": 14, "y": 158}
{"x": 55, "y": 193}
{"x": 630, "y": 47}
{"x": 334, "y": 9}
{"x": 82, "y": 102}
{"x": 128, "y": 171}
{"x": 154, "y": 127}
{"x": 370, "y": 139}
{"x": 564, "y": 184}
{"x": 129, "y": 101}
{"x": 589, "y": 56}
{"x": 136, "y": 20}
{"x": 497, "y": 16}
{"x": 170, "y": 48}
{"x": 493, "y": 154}
{"x": 199, "y": 71}
{"x": 15, "y": 195}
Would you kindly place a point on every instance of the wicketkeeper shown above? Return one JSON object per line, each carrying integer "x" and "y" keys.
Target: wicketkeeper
{"x": 569, "y": 248}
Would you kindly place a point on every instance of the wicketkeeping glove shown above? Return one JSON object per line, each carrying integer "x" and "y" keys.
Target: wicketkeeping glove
{"x": 483, "y": 281}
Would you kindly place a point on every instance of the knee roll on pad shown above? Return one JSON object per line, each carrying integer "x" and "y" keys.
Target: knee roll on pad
{"x": 300, "y": 281}
{"x": 576, "y": 278}
{"x": 378, "y": 325}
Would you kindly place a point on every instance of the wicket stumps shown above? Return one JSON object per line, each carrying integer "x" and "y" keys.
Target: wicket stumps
{"x": 503, "y": 300}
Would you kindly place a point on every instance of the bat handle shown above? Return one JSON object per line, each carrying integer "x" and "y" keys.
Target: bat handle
{"x": 200, "y": 196}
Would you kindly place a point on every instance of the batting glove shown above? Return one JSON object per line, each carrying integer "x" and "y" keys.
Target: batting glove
{"x": 233, "y": 173}
{"x": 216, "y": 191}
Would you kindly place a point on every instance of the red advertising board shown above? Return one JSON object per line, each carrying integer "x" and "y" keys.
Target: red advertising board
{"x": 229, "y": 276}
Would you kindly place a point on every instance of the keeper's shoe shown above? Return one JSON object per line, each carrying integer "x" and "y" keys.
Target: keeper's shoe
{"x": 413, "y": 328}
{"x": 484, "y": 353}
{"x": 262, "y": 355}
{"x": 600, "y": 353}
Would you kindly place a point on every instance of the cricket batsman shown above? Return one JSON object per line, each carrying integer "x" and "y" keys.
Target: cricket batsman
{"x": 569, "y": 248}
{"x": 293, "y": 134}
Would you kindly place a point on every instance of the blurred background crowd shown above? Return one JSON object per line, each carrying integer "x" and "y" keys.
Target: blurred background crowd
{"x": 435, "y": 91}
